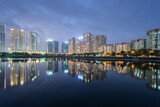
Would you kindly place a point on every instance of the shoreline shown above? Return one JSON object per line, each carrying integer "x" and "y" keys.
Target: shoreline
{"x": 133, "y": 59}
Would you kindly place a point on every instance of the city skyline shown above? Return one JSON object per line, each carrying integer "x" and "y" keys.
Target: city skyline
{"x": 49, "y": 20}
{"x": 68, "y": 53}
{"x": 88, "y": 43}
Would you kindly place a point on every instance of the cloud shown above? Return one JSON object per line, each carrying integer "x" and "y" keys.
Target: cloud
{"x": 62, "y": 19}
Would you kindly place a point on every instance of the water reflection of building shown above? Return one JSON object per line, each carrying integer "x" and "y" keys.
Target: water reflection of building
{"x": 33, "y": 71}
{"x": 138, "y": 73}
{"x": 2, "y": 75}
{"x": 18, "y": 73}
{"x": 65, "y": 66}
{"x": 52, "y": 66}
{"x": 153, "y": 79}
{"x": 99, "y": 72}
{"x": 71, "y": 68}
{"x": 86, "y": 71}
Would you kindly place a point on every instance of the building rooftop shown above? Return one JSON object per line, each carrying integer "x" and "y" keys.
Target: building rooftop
{"x": 158, "y": 29}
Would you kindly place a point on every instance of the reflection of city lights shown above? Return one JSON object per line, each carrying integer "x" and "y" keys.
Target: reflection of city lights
{"x": 11, "y": 83}
{"x": 98, "y": 62}
{"x": 80, "y": 77}
{"x": 66, "y": 71}
{"x": 37, "y": 61}
{"x": 158, "y": 87}
{"x": 43, "y": 60}
{"x": 22, "y": 82}
{"x": 34, "y": 78}
{"x": 132, "y": 66}
{"x": 49, "y": 73}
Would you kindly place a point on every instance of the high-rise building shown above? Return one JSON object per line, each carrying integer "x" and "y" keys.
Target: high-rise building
{"x": 106, "y": 48}
{"x": 88, "y": 43}
{"x": 33, "y": 41}
{"x": 49, "y": 47}
{"x": 18, "y": 40}
{"x": 2, "y": 37}
{"x": 78, "y": 46}
{"x": 123, "y": 47}
{"x": 114, "y": 47}
{"x": 71, "y": 45}
{"x": 65, "y": 47}
{"x": 103, "y": 48}
{"x": 55, "y": 46}
{"x": 153, "y": 39}
{"x": 100, "y": 40}
{"x": 138, "y": 44}
{"x": 109, "y": 49}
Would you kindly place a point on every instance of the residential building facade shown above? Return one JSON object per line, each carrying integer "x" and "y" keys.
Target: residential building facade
{"x": 153, "y": 39}
{"x": 18, "y": 41}
{"x": 138, "y": 44}
{"x": 2, "y": 37}
{"x": 88, "y": 43}
{"x": 71, "y": 45}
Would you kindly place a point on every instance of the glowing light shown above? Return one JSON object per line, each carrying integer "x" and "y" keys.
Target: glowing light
{"x": 22, "y": 82}
{"x": 132, "y": 52}
{"x": 66, "y": 71}
{"x": 49, "y": 73}
{"x": 43, "y": 60}
{"x": 49, "y": 40}
{"x": 80, "y": 77}
{"x": 65, "y": 41}
{"x": 80, "y": 38}
{"x": 34, "y": 78}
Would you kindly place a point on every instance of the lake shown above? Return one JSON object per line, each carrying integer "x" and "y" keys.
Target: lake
{"x": 78, "y": 83}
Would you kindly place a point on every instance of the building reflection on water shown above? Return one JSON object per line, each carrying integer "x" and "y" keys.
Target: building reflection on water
{"x": 18, "y": 73}
{"x": 52, "y": 66}
{"x": 2, "y": 75}
{"x": 33, "y": 71}
{"x": 89, "y": 71}
{"x": 21, "y": 72}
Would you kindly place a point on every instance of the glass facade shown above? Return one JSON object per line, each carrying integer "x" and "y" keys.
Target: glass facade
{"x": 2, "y": 37}
{"x": 33, "y": 41}
{"x": 49, "y": 47}
{"x": 65, "y": 47}
{"x": 55, "y": 46}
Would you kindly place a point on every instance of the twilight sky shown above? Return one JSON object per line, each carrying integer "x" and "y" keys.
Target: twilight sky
{"x": 120, "y": 20}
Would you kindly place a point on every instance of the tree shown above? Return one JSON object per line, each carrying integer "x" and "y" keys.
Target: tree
{"x": 123, "y": 53}
{"x": 146, "y": 52}
{"x": 113, "y": 54}
{"x": 156, "y": 53}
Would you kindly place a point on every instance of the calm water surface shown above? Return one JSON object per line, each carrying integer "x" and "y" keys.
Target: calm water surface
{"x": 55, "y": 82}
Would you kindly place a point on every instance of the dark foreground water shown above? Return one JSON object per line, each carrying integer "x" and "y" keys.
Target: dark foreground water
{"x": 52, "y": 82}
